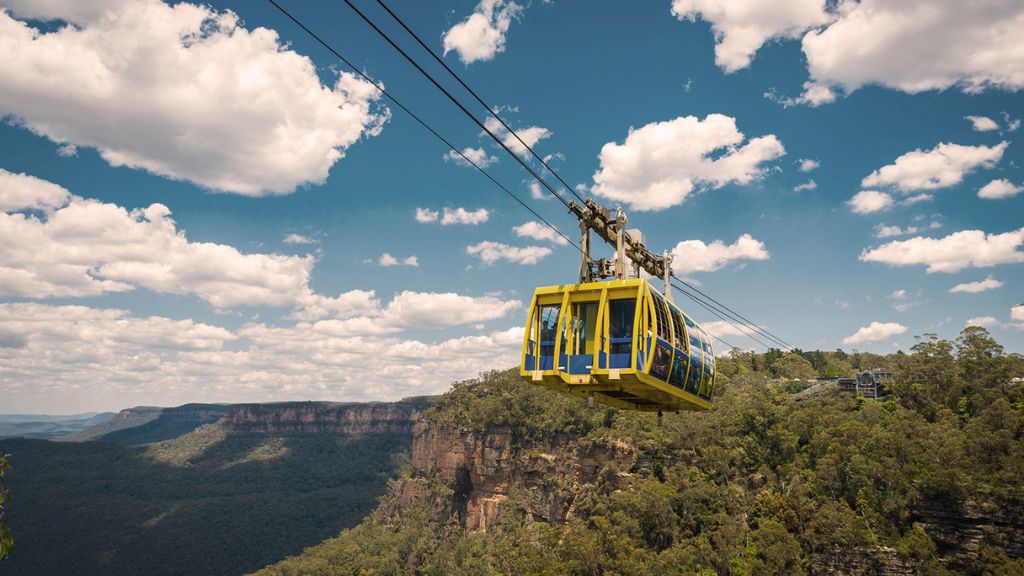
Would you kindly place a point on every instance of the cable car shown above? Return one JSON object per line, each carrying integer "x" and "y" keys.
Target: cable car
{"x": 619, "y": 342}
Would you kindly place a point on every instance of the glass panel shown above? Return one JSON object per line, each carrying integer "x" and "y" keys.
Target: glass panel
{"x": 680, "y": 337}
{"x": 662, "y": 318}
{"x": 620, "y": 325}
{"x": 659, "y": 367}
{"x": 696, "y": 368}
{"x": 548, "y": 320}
{"x": 678, "y": 368}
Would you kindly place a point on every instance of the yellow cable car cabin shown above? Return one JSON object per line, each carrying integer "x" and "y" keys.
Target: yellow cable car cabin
{"x": 620, "y": 342}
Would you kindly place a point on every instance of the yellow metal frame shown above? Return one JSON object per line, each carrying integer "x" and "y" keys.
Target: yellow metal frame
{"x": 627, "y": 388}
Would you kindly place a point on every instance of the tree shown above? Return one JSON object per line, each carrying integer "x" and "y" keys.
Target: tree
{"x": 794, "y": 367}
{"x": 6, "y": 540}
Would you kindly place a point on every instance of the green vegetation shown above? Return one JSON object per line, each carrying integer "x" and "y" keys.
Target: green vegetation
{"x": 210, "y": 502}
{"x": 761, "y": 485}
{"x": 6, "y": 540}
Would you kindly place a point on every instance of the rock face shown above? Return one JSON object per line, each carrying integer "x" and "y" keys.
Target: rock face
{"x": 877, "y": 560}
{"x": 960, "y": 530}
{"x": 482, "y": 471}
{"x": 323, "y": 418}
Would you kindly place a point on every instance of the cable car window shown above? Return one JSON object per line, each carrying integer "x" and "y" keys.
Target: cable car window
{"x": 620, "y": 328}
{"x": 679, "y": 341}
{"x": 660, "y": 364}
{"x": 696, "y": 367}
{"x": 662, "y": 319}
{"x": 548, "y": 323}
{"x": 689, "y": 322}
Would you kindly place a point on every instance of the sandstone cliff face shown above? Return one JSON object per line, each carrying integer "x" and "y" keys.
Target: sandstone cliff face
{"x": 485, "y": 470}
{"x": 959, "y": 532}
{"x": 322, "y": 418}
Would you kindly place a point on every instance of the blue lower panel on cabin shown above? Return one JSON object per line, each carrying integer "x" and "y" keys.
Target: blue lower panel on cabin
{"x": 580, "y": 363}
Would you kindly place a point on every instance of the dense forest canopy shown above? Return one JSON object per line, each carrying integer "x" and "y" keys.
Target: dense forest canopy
{"x": 763, "y": 484}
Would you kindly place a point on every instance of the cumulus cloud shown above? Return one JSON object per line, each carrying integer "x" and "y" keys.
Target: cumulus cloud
{"x": 86, "y": 248}
{"x": 809, "y": 185}
{"x": 808, "y": 164}
{"x": 723, "y": 328}
{"x": 477, "y": 156}
{"x": 26, "y": 192}
{"x": 695, "y": 256}
{"x": 482, "y": 34}
{"x": 661, "y": 163}
{"x": 982, "y": 321}
{"x": 463, "y": 216}
{"x": 976, "y": 287}
{"x": 883, "y": 231}
{"x": 182, "y": 91}
{"x": 539, "y": 231}
{"x": 426, "y": 215}
{"x": 741, "y": 27}
{"x": 869, "y": 201}
{"x": 898, "y": 295}
{"x": 1017, "y": 313}
{"x": 875, "y": 332}
{"x": 918, "y": 45}
{"x": 960, "y": 250}
{"x": 389, "y": 260}
{"x": 982, "y": 123}
{"x": 998, "y": 189}
{"x": 298, "y": 239}
{"x": 491, "y": 252}
{"x": 529, "y": 135}
{"x": 102, "y": 358}
{"x": 941, "y": 167}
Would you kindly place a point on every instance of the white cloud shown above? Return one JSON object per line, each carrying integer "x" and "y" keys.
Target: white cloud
{"x": 389, "y": 260}
{"x": 808, "y": 164}
{"x": 695, "y": 256}
{"x": 87, "y": 248}
{"x": 297, "y": 239}
{"x": 529, "y": 135}
{"x": 661, "y": 163}
{"x": 538, "y": 193}
{"x": 482, "y": 34}
{"x": 869, "y": 201}
{"x": 979, "y": 286}
{"x": 539, "y": 231}
{"x": 998, "y": 189}
{"x": 723, "y": 328}
{"x": 982, "y": 321}
{"x": 491, "y": 252}
{"x": 1017, "y": 313}
{"x": 964, "y": 249}
{"x": 918, "y": 45}
{"x": 463, "y": 216}
{"x": 982, "y": 123}
{"x": 91, "y": 358}
{"x": 883, "y": 231}
{"x": 26, "y": 192}
{"x": 182, "y": 91}
{"x": 477, "y": 156}
{"x": 875, "y": 332}
{"x": 941, "y": 167}
{"x": 426, "y": 215}
{"x": 741, "y": 27}
{"x": 898, "y": 295}
{"x": 916, "y": 199}
{"x": 809, "y": 185}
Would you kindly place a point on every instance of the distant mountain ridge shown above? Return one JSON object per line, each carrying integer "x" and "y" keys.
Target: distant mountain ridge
{"x": 49, "y": 426}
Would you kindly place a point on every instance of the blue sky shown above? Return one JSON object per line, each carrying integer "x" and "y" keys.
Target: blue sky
{"x": 155, "y": 160}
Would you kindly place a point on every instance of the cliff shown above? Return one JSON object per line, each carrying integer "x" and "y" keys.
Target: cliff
{"x": 323, "y": 418}
{"x": 483, "y": 470}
